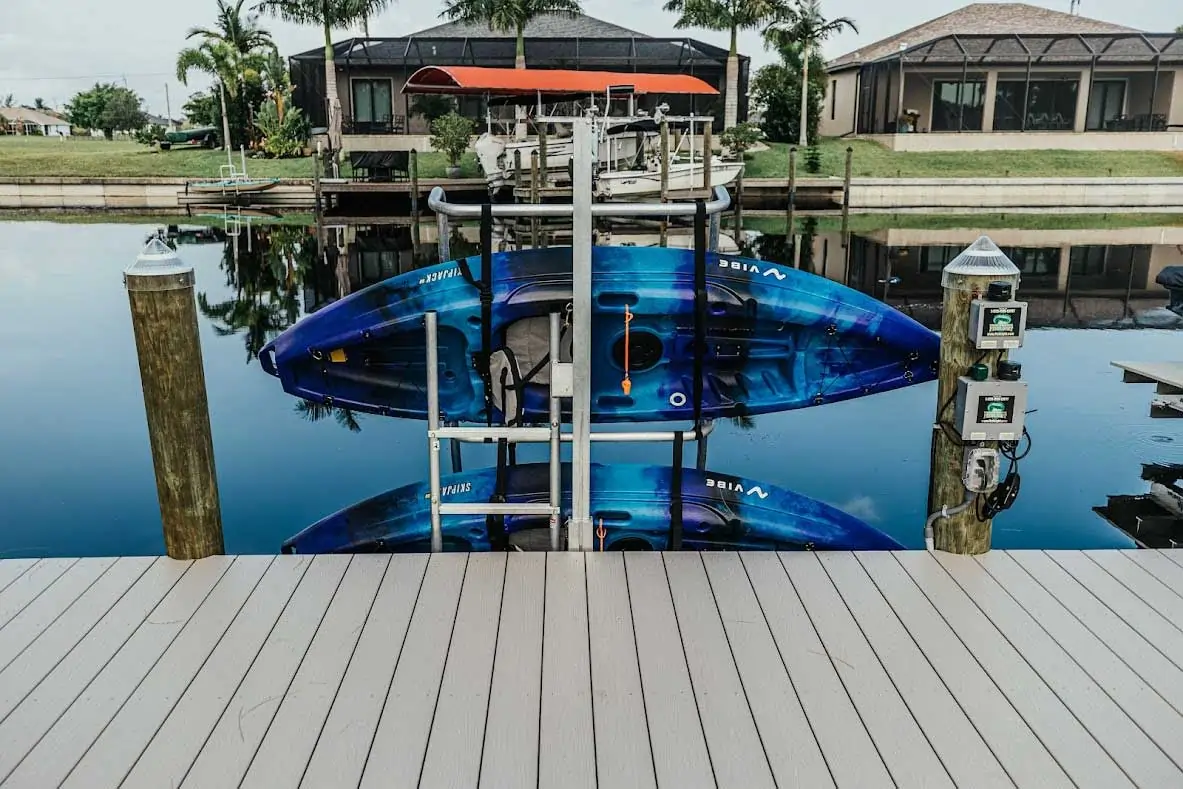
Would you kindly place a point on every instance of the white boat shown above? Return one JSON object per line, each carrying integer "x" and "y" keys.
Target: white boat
{"x": 618, "y": 141}
{"x": 683, "y": 176}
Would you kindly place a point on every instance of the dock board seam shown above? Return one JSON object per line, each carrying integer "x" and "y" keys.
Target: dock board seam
{"x": 213, "y": 649}
{"x": 21, "y": 574}
{"x": 796, "y": 693}
{"x": 833, "y": 665}
{"x": 1103, "y": 643}
{"x": 591, "y": 682}
{"x": 296, "y": 669}
{"x": 940, "y": 678}
{"x": 480, "y": 767}
{"x": 42, "y": 591}
{"x": 1133, "y": 592}
{"x": 739, "y": 674}
{"x": 632, "y": 618}
{"x": 887, "y": 673}
{"x": 689, "y": 674}
{"x": 1023, "y": 656}
{"x": 230, "y": 696}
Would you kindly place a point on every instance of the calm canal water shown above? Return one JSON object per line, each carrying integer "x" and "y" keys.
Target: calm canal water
{"x": 75, "y": 467}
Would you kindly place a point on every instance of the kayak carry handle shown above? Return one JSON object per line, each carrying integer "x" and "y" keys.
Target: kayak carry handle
{"x": 267, "y": 360}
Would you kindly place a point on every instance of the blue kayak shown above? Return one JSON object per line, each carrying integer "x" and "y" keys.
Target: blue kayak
{"x": 775, "y": 338}
{"x": 632, "y": 501}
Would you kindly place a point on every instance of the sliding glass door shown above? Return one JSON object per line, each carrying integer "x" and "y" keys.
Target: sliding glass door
{"x": 1107, "y": 103}
{"x": 957, "y": 106}
{"x": 372, "y": 106}
{"x": 1049, "y": 105}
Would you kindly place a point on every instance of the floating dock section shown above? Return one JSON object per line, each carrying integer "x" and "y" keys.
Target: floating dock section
{"x": 734, "y": 670}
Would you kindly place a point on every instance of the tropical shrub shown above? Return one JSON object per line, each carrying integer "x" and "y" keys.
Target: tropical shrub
{"x": 739, "y": 138}
{"x": 282, "y": 138}
{"x": 149, "y": 135}
{"x": 450, "y": 134}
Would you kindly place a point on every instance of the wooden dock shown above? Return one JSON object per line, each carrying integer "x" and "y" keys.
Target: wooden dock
{"x": 745, "y": 670}
{"x": 1168, "y": 380}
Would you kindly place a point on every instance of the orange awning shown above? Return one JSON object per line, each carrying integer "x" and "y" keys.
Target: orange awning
{"x": 529, "y": 82}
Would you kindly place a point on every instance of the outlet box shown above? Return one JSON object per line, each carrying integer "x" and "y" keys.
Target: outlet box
{"x": 997, "y": 324}
{"x": 979, "y": 474}
{"x": 989, "y": 410}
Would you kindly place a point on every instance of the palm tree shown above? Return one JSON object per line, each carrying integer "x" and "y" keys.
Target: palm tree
{"x": 328, "y": 14}
{"x": 39, "y": 104}
{"x": 314, "y": 412}
{"x": 729, "y": 15}
{"x": 803, "y": 25}
{"x": 230, "y": 52}
{"x": 509, "y": 16}
{"x": 219, "y": 61}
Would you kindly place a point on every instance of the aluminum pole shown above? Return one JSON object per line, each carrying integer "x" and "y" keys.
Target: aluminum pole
{"x": 433, "y": 424}
{"x": 580, "y": 531}
{"x": 556, "y": 436}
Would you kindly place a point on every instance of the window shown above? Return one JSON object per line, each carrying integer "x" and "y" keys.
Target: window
{"x": 957, "y": 106}
{"x": 833, "y": 99}
{"x": 1049, "y": 105}
{"x": 372, "y": 107}
{"x": 1035, "y": 261}
{"x": 1106, "y": 103}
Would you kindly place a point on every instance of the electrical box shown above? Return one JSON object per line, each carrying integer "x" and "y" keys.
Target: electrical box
{"x": 979, "y": 474}
{"x": 989, "y": 410}
{"x": 997, "y": 324}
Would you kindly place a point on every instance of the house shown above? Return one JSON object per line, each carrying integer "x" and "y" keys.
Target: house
{"x": 22, "y": 120}
{"x": 371, "y": 72}
{"x": 994, "y": 76}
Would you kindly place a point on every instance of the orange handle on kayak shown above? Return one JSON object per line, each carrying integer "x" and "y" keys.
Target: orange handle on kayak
{"x": 626, "y": 384}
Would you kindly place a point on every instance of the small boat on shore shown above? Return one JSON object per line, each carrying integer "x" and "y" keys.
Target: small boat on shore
{"x": 634, "y": 503}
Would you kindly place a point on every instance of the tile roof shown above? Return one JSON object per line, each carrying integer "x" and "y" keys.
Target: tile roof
{"x": 544, "y": 26}
{"x": 980, "y": 18}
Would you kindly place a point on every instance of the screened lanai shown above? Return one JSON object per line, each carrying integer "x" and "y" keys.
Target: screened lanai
{"x": 371, "y": 73}
{"x": 1024, "y": 83}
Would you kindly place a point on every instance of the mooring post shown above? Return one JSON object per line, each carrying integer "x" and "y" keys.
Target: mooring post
{"x": 517, "y": 173}
{"x": 164, "y": 322}
{"x": 414, "y": 166}
{"x": 738, "y": 221}
{"x": 965, "y": 279}
{"x": 535, "y": 196}
{"x": 791, "y": 208}
{"x": 846, "y": 191}
{"x": 318, "y": 210}
{"x": 665, "y": 179}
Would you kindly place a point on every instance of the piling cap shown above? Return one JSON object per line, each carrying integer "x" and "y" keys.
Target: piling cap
{"x": 158, "y": 260}
{"x": 982, "y": 258}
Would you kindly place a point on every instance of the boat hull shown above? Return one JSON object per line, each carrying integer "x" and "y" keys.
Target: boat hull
{"x": 683, "y": 176}
{"x": 633, "y": 502}
{"x": 219, "y": 187}
{"x": 777, "y": 338}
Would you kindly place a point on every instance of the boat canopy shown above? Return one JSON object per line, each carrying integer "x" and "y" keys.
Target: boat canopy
{"x": 532, "y": 82}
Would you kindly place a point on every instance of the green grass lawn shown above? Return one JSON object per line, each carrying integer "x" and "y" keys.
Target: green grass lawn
{"x": 872, "y": 160}
{"x": 90, "y": 157}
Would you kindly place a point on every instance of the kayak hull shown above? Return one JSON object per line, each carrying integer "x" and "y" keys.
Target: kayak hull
{"x": 777, "y": 338}
{"x": 633, "y": 502}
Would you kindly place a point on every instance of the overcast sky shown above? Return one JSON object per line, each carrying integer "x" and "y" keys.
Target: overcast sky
{"x": 53, "y": 49}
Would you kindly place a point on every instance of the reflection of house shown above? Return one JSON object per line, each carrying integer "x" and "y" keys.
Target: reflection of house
{"x": 22, "y": 120}
{"x": 1070, "y": 277}
{"x": 371, "y": 72}
{"x": 1011, "y": 75}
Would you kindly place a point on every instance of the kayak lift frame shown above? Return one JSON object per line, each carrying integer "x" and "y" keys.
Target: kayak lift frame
{"x": 568, "y": 379}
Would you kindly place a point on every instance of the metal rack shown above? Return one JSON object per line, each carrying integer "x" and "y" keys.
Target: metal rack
{"x": 568, "y": 379}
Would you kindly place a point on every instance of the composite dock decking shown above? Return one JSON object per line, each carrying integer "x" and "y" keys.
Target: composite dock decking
{"x": 1168, "y": 380}
{"x": 746, "y": 670}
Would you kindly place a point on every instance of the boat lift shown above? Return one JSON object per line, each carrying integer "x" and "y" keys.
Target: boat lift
{"x": 567, "y": 379}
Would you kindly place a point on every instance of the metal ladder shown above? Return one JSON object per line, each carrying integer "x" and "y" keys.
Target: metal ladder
{"x": 568, "y": 379}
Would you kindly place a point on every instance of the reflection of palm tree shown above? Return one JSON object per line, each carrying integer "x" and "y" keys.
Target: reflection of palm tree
{"x": 267, "y": 283}
{"x": 314, "y": 412}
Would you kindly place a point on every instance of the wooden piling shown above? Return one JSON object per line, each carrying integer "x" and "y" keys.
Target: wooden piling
{"x": 846, "y": 191}
{"x": 791, "y": 208}
{"x": 962, "y": 532}
{"x": 414, "y": 166}
{"x": 535, "y": 197}
{"x": 164, "y": 322}
{"x": 517, "y": 172}
{"x": 317, "y": 206}
{"x": 542, "y": 171}
{"x": 665, "y": 179}
{"x": 707, "y": 145}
